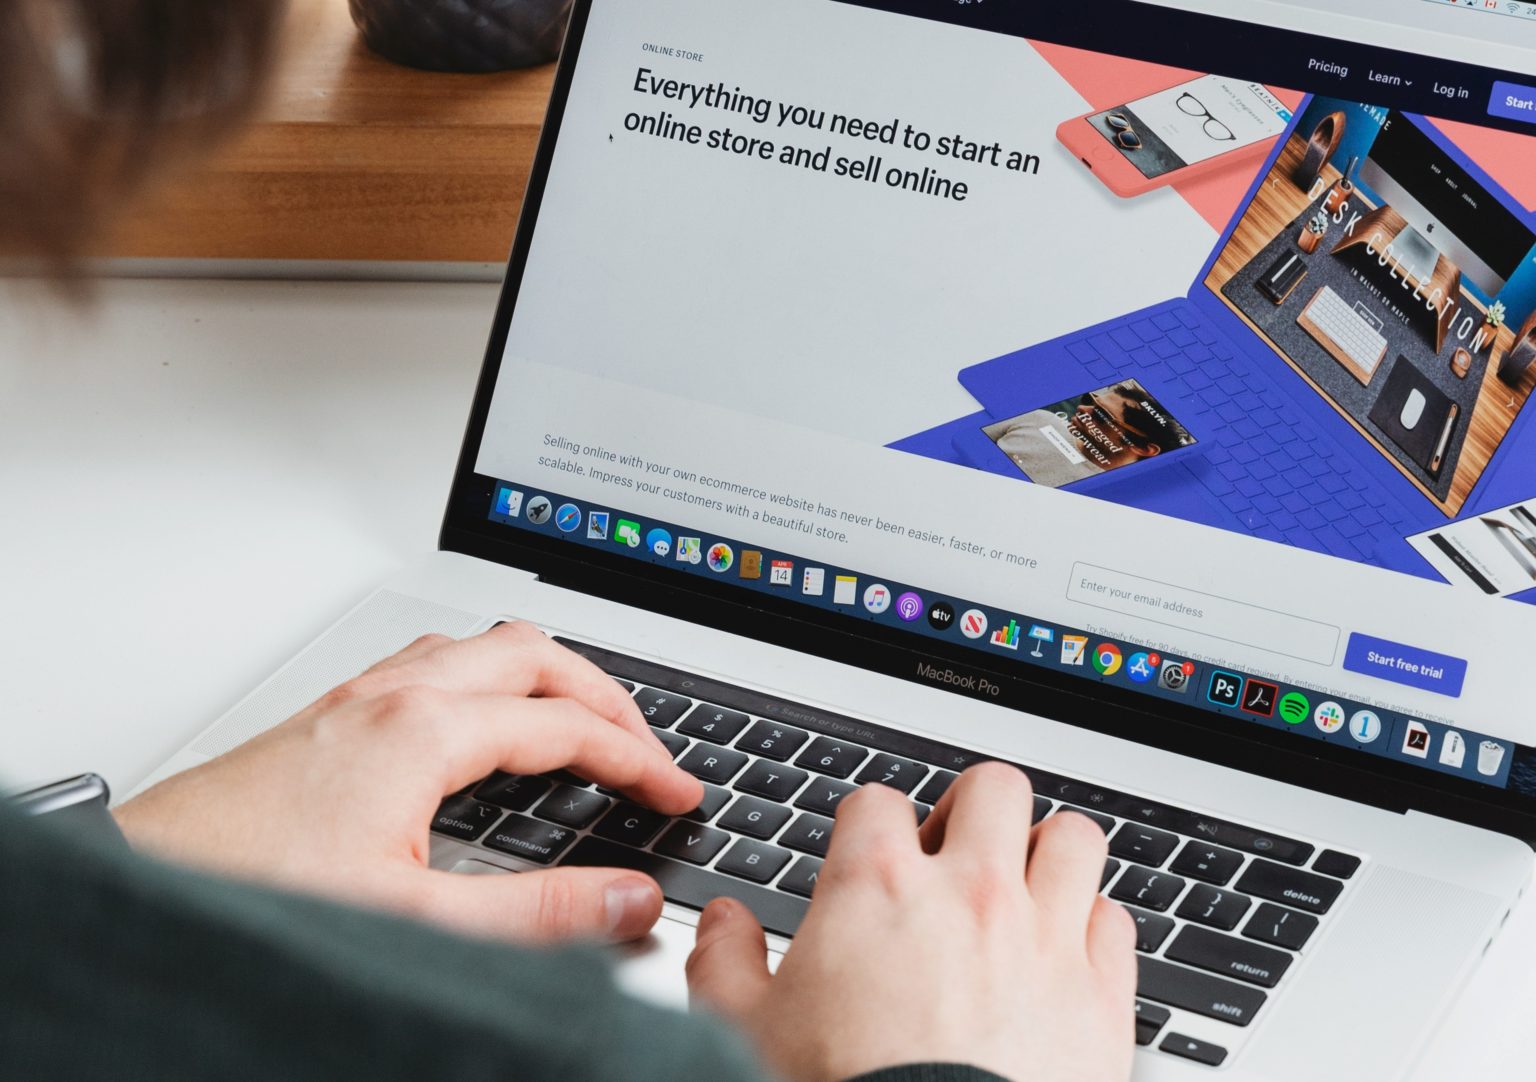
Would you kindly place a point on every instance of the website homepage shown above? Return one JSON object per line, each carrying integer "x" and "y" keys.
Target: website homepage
{"x": 1169, "y": 377}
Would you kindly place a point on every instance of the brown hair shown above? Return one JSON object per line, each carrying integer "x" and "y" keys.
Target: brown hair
{"x": 95, "y": 94}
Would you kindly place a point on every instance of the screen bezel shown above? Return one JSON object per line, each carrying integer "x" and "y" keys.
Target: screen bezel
{"x": 1113, "y": 711}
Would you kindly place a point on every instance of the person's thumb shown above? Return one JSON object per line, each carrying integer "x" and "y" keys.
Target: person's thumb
{"x": 728, "y": 969}
{"x": 547, "y": 906}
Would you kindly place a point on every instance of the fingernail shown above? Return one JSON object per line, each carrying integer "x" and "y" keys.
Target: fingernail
{"x": 717, "y": 910}
{"x": 631, "y": 907}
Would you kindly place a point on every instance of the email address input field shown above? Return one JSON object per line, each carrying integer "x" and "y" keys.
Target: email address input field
{"x": 1208, "y": 614}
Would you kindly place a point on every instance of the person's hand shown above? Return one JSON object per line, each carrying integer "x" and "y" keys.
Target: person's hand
{"x": 966, "y": 942}
{"x": 338, "y": 800}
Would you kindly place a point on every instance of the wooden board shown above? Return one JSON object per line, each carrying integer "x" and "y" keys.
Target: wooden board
{"x": 354, "y": 158}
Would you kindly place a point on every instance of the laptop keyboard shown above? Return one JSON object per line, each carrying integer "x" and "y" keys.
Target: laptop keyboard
{"x": 1223, "y": 911}
{"x": 1263, "y": 462}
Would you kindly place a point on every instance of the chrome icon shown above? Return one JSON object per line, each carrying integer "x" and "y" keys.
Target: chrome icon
{"x": 1107, "y": 659}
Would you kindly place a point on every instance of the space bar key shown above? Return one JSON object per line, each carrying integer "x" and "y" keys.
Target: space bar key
{"x": 693, "y": 887}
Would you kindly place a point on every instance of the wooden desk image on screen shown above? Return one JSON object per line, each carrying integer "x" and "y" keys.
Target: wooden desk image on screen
{"x": 1275, "y": 209}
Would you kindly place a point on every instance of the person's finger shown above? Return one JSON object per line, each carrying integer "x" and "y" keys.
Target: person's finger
{"x": 728, "y": 969}
{"x": 1112, "y": 945}
{"x": 872, "y": 822}
{"x": 468, "y": 736}
{"x": 519, "y": 659}
{"x": 1066, "y": 863}
{"x": 984, "y": 816}
{"x": 420, "y": 648}
{"x": 541, "y": 907}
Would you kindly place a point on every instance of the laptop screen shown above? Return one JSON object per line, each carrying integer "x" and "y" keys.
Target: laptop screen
{"x": 1175, "y": 360}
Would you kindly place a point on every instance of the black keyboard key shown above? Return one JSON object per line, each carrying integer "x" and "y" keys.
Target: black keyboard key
{"x": 530, "y": 839}
{"x": 672, "y": 742}
{"x": 515, "y": 792}
{"x": 755, "y": 817}
{"x": 464, "y": 818}
{"x": 773, "y": 741}
{"x": 809, "y": 834}
{"x": 1106, "y": 823}
{"x": 893, "y": 770}
{"x": 691, "y": 842}
{"x": 1228, "y": 956}
{"x": 1042, "y": 809}
{"x": 1199, "y": 992}
{"x": 1143, "y": 845}
{"x": 772, "y": 780}
{"x": 709, "y": 763}
{"x": 801, "y": 879}
{"x": 780, "y": 912}
{"x": 1280, "y": 927}
{"x": 1176, "y": 1044}
{"x": 1207, "y": 863}
{"x": 1219, "y": 908}
{"x": 936, "y": 786}
{"x": 923, "y": 812}
{"x": 565, "y": 777}
{"x": 1289, "y": 886}
{"x": 1337, "y": 864}
{"x": 1147, "y": 888}
{"x": 1150, "y": 1019}
{"x": 822, "y": 795}
{"x": 714, "y": 723}
{"x": 753, "y": 860}
{"x": 1111, "y": 866}
{"x": 631, "y": 824}
{"x": 715, "y": 798}
{"x": 572, "y": 807}
{"x": 661, "y": 708}
{"x": 625, "y": 684}
{"x": 1151, "y": 929}
{"x": 834, "y": 757}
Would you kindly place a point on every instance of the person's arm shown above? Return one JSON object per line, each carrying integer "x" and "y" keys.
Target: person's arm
{"x": 117, "y": 967}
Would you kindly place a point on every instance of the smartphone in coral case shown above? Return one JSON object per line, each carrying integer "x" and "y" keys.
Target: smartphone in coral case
{"x": 1185, "y": 131}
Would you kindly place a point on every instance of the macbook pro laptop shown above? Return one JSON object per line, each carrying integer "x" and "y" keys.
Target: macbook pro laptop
{"x": 758, "y": 242}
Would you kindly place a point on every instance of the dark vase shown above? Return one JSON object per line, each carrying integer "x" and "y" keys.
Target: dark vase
{"x": 463, "y": 35}
{"x": 1518, "y": 360}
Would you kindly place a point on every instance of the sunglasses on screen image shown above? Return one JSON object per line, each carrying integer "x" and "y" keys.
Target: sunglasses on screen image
{"x": 1125, "y": 133}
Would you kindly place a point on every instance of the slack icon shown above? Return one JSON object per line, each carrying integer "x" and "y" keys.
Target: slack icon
{"x": 1226, "y": 688}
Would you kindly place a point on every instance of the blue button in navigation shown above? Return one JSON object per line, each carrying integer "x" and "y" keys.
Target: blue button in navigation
{"x": 1513, "y": 101}
{"x": 1423, "y": 669}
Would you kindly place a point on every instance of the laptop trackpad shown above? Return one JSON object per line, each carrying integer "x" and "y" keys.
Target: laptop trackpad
{"x": 1400, "y": 928}
{"x": 652, "y": 969}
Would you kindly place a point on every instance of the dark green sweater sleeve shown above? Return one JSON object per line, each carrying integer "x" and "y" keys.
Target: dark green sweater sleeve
{"x": 117, "y": 967}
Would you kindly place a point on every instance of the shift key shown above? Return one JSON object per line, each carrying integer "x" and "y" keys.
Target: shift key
{"x": 1198, "y": 992}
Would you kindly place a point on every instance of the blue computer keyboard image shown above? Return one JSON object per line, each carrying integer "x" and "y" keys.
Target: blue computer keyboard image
{"x": 1261, "y": 467}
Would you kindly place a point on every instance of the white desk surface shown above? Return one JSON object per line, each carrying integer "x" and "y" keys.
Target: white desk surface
{"x": 199, "y": 476}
